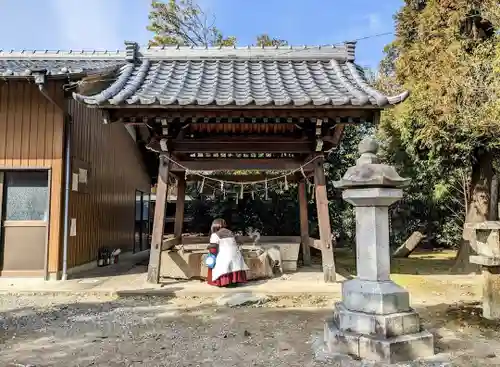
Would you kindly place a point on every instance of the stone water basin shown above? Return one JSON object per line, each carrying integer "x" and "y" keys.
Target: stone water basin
{"x": 189, "y": 263}
{"x": 485, "y": 239}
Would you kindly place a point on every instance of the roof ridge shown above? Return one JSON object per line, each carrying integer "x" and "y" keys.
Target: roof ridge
{"x": 133, "y": 51}
{"x": 287, "y": 47}
{"x": 344, "y": 52}
{"x": 61, "y": 54}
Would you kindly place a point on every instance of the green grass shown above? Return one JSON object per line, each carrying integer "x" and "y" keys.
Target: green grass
{"x": 419, "y": 263}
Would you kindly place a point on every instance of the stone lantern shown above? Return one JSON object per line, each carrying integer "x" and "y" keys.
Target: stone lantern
{"x": 374, "y": 320}
{"x": 485, "y": 241}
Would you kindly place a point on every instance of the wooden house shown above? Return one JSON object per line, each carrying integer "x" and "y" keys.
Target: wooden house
{"x": 83, "y": 133}
{"x": 68, "y": 182}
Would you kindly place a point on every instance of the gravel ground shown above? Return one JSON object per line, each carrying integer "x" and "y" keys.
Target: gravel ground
{"x": 66, "y": 331}
{"x": 104, "y": 331}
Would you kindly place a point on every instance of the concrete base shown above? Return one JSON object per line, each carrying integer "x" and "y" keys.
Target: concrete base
{"x": 182, "y": 265}
{"x": 259, "y": 266}
{"x": 375, "y": 297}
{"x": 384, "y": 326}
{"x": 491, "y": 292}
{"x": 375, "y": 348}
{"x": 491, "y": 285}
{"x": 375, "y": 333}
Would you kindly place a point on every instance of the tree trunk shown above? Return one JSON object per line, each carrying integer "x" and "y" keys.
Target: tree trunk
{"x": 493, "y": 215}
{"x": 477, "y": 208}
{"x": 410, "y": 244}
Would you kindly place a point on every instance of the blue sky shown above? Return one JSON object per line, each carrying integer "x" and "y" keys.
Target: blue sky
{"x": 105, "y": 24}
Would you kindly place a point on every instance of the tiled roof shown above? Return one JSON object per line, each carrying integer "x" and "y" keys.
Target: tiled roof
{"x": 241, "y": 76}
{"x": 15, "y": 64}
{"x": 183, "y": 76}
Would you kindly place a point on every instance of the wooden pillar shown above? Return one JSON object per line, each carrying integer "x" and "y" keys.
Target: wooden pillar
{"x": 324, "y": 222}
{"x": 304, "y": 224}
{"x": 179, "y": 206}
{"x": 158, "y": 221}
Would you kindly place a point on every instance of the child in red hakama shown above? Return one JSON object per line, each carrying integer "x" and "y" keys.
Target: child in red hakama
{"x": 230, "y": 267}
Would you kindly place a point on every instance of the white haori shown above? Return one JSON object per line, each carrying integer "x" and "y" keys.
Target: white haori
{"x": 229, "y": 258}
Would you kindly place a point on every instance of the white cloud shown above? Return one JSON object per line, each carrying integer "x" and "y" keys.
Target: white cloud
{"x": 88, "y": 24}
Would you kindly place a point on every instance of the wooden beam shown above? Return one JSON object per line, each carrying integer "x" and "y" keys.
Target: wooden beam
{"x": 351, "y": 114}
{"x": 315, "y": 243}
{"x": 246, "y": 177}
{"x": 314, "y": 109}
{"x": 304, "y": 224}
{"x": 179, "y": 206}
{"x": 241, "y": 146}
{"x": 170, "y": 243}
{"x": 324, "y": 222}
{"x": 229, "y": 164}
{"x": 337, "y": 134}
{"x": 333, "y": 139}
{"x": 158, "y": 221}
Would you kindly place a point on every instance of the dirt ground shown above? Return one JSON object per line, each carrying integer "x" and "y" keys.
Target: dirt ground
{"x": 63, "y": 330}
{"x": 68, "y": 331}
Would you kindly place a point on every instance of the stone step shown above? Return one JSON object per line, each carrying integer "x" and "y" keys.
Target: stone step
{"x": 373, "y": 348}
{"x": 385, "y": 326}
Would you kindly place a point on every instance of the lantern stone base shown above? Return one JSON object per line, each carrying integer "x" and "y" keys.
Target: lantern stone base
{"x": 491, "y": 285}
{"x": 377, "y": 297}
{"x": 401, "y": 348}
{"x": 375, "y": 322}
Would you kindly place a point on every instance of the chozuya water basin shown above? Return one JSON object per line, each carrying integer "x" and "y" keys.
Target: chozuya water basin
{"x": 185, "y": 260}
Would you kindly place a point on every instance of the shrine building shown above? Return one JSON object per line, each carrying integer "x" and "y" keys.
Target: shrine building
{"x": 85, "y": 135}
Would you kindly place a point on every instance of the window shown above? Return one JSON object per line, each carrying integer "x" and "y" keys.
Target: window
{"x": 26, "y": 195}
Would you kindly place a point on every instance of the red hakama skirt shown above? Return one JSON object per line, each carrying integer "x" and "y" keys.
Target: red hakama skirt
{"x": 236, "y": 277}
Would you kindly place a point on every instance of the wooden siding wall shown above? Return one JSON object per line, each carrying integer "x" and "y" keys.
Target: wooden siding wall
{"x": 105, "y": 214}
{"x": 31, "y": 135}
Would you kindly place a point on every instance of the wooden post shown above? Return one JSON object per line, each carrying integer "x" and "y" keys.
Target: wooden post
{"x": 324, "y": 222}
{"x": 304, "y": 224}
{"x": 158, "y": 221}
{"x": 179, "y": 206}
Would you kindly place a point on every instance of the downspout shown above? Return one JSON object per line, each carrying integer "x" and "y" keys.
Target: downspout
{"x": 67, "y": 184}
{"x": 40, "y": 81}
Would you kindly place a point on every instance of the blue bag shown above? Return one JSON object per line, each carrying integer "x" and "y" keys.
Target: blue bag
{"x": 210, "y": 261}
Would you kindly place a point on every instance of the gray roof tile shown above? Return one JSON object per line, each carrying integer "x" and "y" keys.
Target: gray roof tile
{"x": 211, "y": 76}
{"x": 241, "y": 82}
{"x": 57, "y": 63}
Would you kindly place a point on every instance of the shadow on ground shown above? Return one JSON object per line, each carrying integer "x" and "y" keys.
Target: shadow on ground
{"x": 156, "y": 331}
{"x": 419, "y": 263}
{"x": 136, "y": 265}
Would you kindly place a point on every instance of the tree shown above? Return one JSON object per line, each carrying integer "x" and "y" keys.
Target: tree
{"x": 444, "y": 53}
{"x": 264, "y": 40}
{"x": 184, "y": 22}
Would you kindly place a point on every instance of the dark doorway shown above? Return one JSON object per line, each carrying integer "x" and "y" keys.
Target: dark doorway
{"x": 142, "y": 221}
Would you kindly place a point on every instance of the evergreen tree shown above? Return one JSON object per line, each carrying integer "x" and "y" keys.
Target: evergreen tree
{"x": 445, "y": 53}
